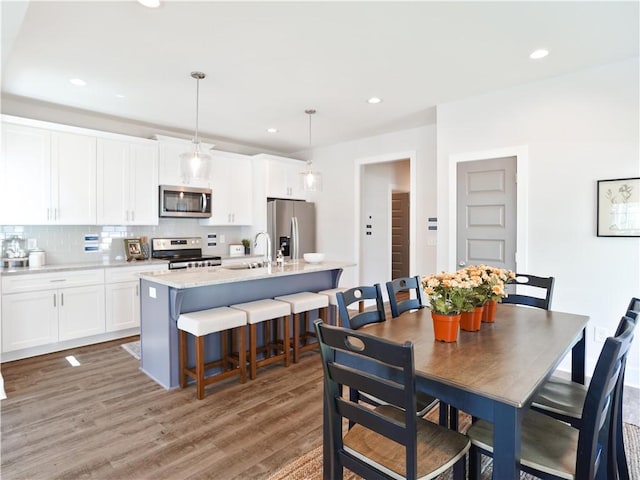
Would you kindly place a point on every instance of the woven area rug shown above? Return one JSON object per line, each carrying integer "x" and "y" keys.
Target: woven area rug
{"x": 133, "y": 349}
{"x": 309, "y": 466}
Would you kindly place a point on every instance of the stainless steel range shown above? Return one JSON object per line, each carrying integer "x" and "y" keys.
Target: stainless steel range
{"x": 182, "y": 253}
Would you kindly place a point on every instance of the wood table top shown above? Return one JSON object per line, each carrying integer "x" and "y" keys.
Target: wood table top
{"x": 505, "y": 361}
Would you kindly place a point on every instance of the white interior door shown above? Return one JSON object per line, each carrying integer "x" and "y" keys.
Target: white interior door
{"x": 487, "y": 213}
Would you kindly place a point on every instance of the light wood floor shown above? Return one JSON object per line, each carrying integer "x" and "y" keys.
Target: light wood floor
{"x": 107, "y": 420}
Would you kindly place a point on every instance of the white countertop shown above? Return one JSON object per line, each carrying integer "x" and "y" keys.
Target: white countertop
{"x": 61, "y": 267}
{"x": 218, "y": 275}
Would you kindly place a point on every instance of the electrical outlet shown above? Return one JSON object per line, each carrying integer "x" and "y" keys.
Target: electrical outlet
{"x": 599, "y": 334}
{"x": 222, "y": 239}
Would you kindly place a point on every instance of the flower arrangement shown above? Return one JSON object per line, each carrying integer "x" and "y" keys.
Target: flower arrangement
{"x": 465, "y": 289}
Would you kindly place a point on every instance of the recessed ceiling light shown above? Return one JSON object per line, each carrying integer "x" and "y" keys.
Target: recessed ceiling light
{"x": 538, "y": 54}
{"x": 119, "y": 95}
{"x": 150, "y": 3}
{"x": 272, "y": 130}
{"x": 78, "y": 82}
{"x": 374, "y": 100}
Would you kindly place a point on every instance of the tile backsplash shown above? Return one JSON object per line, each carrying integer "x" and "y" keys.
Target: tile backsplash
{"x": 66, "y": 244}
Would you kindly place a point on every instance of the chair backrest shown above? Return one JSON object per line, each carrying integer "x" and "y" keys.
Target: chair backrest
{"x": 394, "y": 382}
{"x": 405, "y": 285}
{"x": 541, "y": 285}
{"x": 633, "y": 310}
{"x": 356, "y": 295}
{"x": 599, "y": 402}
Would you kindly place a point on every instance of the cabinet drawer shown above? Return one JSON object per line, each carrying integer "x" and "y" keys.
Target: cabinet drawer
{"x": 45, "y": 281}
{"x": 130, "y": 274}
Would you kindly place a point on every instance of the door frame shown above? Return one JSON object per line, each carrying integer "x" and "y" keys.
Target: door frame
{"x": 358, "y": 166}
{"x": 521, "y": 152}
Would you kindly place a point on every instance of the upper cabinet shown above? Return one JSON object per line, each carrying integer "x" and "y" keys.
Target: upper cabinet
{"x": 232, "y": 185}
{"x": 46, "y": 176}
{"x": 127, "y": 182}
{"x": 282, "y": 177}
{"x": 169, "y": 171}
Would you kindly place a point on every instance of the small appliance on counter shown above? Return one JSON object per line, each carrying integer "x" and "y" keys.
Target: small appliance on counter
{"x": 37, "y": 257}
{"x": 236, "y": 250}
{"x": 14, "y": 252}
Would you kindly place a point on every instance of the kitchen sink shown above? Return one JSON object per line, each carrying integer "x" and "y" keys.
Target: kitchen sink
{"x": 246, "y": 266}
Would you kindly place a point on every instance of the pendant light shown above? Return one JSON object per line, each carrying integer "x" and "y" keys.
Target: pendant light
{"x": 195, "y": 164}
{"x": 311, "y": 181}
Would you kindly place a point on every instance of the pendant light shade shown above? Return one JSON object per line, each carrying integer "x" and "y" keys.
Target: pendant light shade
{"x": 311, "y": 181}
{"x": 194, "y": 163}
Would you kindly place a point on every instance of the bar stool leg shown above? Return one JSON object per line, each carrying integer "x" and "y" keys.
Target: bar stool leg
{"x": 182, "y": 338}
{"x": 242, "y": 355}
{"x": 200, "y": 367}
{"x": 252, "y": 351}
{"x": 296, "y": 337}
{"x": 285, "y": 342}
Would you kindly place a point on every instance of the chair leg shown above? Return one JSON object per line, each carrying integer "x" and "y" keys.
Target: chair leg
{"x": 182, "y": 339}
{"x": 474, "y": 463}
{"x": 460, "y": 469}
{"x": 453, "y": 418}
{"x": 200, "y": 367}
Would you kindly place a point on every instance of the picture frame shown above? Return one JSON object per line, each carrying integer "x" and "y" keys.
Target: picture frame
{"x": 133, "y": 249}
{"x": 618, "y": 209}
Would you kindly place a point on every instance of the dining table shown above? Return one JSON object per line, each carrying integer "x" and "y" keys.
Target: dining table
{"x": 492, "y": 373}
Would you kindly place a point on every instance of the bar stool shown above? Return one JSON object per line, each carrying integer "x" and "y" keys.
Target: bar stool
{"x": 265, "y": 311}
{"x": 200, "y": 324}
{"x": 303, "y": 303}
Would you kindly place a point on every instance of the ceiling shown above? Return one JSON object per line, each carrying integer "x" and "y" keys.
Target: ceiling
{"x": 266, "y": 62}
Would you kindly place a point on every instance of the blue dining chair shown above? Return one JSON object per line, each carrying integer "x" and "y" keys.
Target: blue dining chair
{"x": 547, "y": 443}
{"x": 539, "y": 291}
{"x": 405, "y": 286}
{"x": 387, "y": 441}
{"x": 563, "y": 399}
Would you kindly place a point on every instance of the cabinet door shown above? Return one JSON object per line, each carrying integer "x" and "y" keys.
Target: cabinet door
{"x": 81, "y": 312}
{"x": 29, "y": 320}
{"x": 143, "y": 193}
{"x": 221, "y": 186}
{"x": 113, "y": 186}
{"x": 241, "y": 193}
{"x": 122, "y": 306}
{"x": 73, "y": 179}
{"x": 25, "y": 170}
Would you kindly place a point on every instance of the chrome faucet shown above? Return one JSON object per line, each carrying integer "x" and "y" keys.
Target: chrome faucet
{"x": 267, "y": 254}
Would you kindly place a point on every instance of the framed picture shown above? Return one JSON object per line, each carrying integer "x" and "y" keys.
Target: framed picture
{"x": 133, "y": 249}
{"x": 619, "y": 207}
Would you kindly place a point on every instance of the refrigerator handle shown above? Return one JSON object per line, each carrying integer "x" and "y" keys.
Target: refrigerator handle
{"x": 295, "y": 252}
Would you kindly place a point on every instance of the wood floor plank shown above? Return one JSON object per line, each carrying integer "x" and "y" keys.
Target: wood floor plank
{"x": 108, "y": 420}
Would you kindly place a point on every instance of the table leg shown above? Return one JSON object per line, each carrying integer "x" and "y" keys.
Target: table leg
{"x": 507, "y": 428}
{"x": 578, "y": 353}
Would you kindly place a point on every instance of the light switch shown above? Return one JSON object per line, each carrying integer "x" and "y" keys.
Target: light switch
{"x": 152, "y": 292}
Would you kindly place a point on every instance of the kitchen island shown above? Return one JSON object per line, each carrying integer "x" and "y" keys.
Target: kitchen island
{"x": 165, "y": 295}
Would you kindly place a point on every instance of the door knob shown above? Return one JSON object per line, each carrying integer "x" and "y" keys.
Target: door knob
{"x": 462, "y": 263}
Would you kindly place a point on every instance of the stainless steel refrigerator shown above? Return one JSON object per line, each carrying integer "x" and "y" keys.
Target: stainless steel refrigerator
{"x": 291, "y": 224}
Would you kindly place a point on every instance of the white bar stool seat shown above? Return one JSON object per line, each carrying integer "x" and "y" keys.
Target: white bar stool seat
{"x": 200, "y": 324}
{"x": 301, "y": 304}
{"x": 264, "y": 311}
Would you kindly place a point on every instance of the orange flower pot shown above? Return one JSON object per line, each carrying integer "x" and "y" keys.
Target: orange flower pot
{"x": 470, "y": 321}
{"x": 489, "y": 315}
{"x": 445, "y": 327}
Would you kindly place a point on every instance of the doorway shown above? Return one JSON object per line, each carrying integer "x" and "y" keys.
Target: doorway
{"x": 487, "y": 213}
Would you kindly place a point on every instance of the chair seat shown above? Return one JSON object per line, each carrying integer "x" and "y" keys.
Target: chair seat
{"x": 561, "y": 396}
{"x": 436, "y": 445}
{"x": 304, "y": 301}
{"x": 261, "y": 310}
{"x": 204, "y": 322}
{"x": 547, "y": 445}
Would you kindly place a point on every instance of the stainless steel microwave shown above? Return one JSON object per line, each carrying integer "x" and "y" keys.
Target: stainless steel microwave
{"x": 185, "y": 202}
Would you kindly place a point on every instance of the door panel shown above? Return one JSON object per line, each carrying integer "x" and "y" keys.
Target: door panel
{"x": 486, "y": 212}
{"x": 399, "y": 234}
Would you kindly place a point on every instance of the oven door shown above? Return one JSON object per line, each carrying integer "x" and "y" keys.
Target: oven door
{"x": 189, "y": 202}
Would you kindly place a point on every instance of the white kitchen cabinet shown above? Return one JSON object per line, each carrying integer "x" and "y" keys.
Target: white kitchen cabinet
{"x": 40, "y": 309}
{"x": 128, "y": 182}
{"x": 122, "y": 296}
{"x": 232, "y": 186}
{"x": 47, "y": 176}
{"x": 169, "y": 171}
{"x": 282, "y": 177}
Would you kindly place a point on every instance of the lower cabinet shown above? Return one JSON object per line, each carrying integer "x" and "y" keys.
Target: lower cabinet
{"x": 37, "y": 310}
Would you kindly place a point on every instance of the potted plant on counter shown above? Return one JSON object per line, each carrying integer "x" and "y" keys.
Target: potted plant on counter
{"x": 247, "y": 246}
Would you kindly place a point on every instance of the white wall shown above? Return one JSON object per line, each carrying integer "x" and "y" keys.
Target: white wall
{"x": 577, "y": 129}
{"x": 335, "y": 204}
